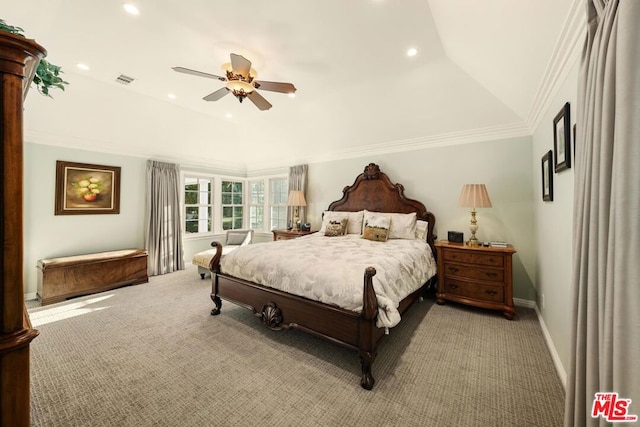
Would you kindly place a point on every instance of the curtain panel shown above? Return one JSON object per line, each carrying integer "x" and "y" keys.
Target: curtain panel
{"x": 163, "y": 237}
{"x": 605, "y": 347}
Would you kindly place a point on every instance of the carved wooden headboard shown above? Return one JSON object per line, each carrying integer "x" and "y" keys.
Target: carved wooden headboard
{"x": 372, "y": 190}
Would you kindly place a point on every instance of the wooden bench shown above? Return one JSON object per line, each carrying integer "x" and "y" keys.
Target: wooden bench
{"x": 66, "y": 277}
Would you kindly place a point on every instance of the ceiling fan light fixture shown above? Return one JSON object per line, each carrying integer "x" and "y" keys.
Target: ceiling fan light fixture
{"x": 239, "y": 86}
{"x": 227, "y": 68}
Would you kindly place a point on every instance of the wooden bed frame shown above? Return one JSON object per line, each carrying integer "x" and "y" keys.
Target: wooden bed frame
{"x": 373, "y": 191}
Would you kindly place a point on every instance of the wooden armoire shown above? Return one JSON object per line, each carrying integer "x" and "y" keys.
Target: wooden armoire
{"x": 19, "y": 59}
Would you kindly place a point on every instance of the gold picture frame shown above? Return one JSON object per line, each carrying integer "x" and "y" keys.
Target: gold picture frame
{"x": 85, "y": 189}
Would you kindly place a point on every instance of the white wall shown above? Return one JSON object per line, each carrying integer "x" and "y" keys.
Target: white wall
{"x": 47, "y": 235}
{"x": 435, "y": 177}
{"x": 553, "y": 224}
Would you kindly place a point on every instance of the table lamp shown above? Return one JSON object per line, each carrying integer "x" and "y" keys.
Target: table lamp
{"x": 296, "y": 199}
{"x": 474, "y": 196}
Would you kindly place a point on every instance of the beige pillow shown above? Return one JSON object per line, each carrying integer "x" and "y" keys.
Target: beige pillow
{"x": 336, "y": 227}
{"x": 376, "y": 226}
{"x": 422, "y": 228}
{"x": 236, "y": 237}
{"x": 403, "y": 226}
{"x": 355, "y": 222}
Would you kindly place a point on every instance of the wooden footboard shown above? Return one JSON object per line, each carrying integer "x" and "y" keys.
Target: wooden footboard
{"x": 279, "y": 310}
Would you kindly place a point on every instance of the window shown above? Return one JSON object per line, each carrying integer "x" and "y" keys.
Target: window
{"x": 232, "y": 205}
{"x": 214, "y": 204}
{"x": 256, "y": 205}
{"x": 278, "y": 202}
{"x": 198, "y": 204}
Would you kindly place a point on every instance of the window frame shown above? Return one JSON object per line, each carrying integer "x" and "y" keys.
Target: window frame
{"x": 183, "y": 205}
{"x": 243, "y": 193}
{"x": 216, "y": 197}
{"x": 284, "y": 204}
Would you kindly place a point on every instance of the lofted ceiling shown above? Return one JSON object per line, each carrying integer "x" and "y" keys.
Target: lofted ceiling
{"x": 482, "y": 71}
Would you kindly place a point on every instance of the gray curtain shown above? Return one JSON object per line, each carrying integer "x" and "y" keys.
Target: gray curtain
{"x": 605, "y": 347}
{"x": 298, "y": 181}
{"x": 163, "y": 237}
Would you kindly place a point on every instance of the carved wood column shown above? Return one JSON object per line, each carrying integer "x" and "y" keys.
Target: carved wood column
{"x": 19, "y": 58}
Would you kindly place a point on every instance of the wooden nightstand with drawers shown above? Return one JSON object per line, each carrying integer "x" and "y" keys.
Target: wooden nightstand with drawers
{"x": 476, "y": 275}
{"x": 289, "y": 234}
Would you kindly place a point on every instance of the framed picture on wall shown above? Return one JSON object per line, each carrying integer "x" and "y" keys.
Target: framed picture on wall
{"x": 547, "y": 177}
{"x": 83, "y": 189}
{"x": 562, "y": 139}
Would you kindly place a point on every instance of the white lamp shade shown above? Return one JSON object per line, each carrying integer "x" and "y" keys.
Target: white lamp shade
{"x": 296, "y": 198}
{"x": 474, "y": 196}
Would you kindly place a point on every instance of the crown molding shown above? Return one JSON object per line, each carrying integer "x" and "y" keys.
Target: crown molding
{"x": 560, "y": 63}
{"x": 563, "y": 58}
{"x": 102, "y": 146}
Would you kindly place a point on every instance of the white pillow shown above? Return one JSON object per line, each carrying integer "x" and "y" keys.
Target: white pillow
{"x": 354, "y": 220}
{"x": 422, "y": 228}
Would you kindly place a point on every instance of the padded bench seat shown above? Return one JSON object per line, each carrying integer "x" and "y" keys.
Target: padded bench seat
{"x": 66, "y": 277}
{"x": 234, "y": 239}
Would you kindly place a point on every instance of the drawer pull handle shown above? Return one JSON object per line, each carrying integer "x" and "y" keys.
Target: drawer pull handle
{"x": 454, "y": 286}
{"x": 492, "y": 275}
{"x": 453, "y": 269}
{"x": 492, "y": 292}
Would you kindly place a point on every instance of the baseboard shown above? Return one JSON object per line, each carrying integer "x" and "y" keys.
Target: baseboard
{"x": 28, "y": 297}
{"x": 524, "y": 303}
{"x": 552, "y": 349}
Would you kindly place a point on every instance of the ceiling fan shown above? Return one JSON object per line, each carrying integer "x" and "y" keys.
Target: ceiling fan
{"x": 241, "y": 81}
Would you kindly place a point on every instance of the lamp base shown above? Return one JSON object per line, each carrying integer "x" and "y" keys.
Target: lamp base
{"x": 473, "y": 242}
{"x": 473, "y": 227}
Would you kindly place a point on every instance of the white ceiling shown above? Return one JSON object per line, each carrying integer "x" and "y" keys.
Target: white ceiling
{"x": 481, "y": 72}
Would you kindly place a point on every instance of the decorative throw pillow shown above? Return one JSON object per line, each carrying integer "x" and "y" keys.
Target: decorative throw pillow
{"x": 331, "y": 216}
{"x": 403, "y": 226}
{"x": 422, "y": 227}
{"x": 236, "y": 238}
{"x": 336, "y": 228}
{"x": 376, "y": 226}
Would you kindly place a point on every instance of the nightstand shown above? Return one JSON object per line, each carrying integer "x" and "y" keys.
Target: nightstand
{"x": 476, "y": 275}
{"x": 289, "y": 234}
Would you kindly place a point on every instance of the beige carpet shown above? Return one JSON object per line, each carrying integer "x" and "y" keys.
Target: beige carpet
{"x": 152, "y": 355}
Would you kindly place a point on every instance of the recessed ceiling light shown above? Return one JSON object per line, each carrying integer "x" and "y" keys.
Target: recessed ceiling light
{"x": 84, "y": 67}
{"x": 291, "y": 95}
{"x": 412, "y": 52}
{"x": 131, "y": 9}
{"x": 228, "y": 115}
{"x": 171, "y": 96}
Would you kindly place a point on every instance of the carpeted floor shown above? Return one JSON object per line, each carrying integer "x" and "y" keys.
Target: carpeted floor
{"x": 152, "y": 355}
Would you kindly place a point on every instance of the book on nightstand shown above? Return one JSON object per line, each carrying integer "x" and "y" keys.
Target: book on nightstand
{"x": 498, "y": 244}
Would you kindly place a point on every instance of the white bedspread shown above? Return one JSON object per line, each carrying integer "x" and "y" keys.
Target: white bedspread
{"x": 331, "y": 269}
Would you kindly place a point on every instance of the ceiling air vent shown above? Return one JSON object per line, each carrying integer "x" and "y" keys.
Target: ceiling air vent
{"x": 125, "y": 80}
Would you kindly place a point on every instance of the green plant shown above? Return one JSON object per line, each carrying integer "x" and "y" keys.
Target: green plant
{"x": 47, "y": 75}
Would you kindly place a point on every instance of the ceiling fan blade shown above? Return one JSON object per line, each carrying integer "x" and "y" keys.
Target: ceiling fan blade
{"x": 198, "y": 73}
{"x": 214, "y": 96}
{"x": 276, "y": 86}
{"x": 240, "y": 65}
{"x": 260, "y": 102}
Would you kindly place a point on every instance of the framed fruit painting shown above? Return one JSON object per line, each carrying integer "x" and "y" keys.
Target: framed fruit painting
{"x": 83, "y": 188}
